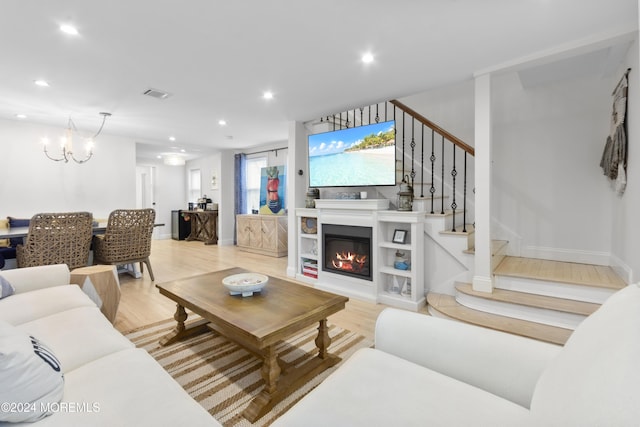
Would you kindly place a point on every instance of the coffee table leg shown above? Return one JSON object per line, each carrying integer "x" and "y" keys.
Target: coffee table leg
{"x": 181, "y": 330}
{"x": 323, "y": 341}
{"x": 270, "y": 370}
{"x": 277, "y": 386}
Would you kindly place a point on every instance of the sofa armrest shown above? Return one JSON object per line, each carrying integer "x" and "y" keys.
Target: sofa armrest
{"x": 34, "y": 278}
{"x": 500, "y": 363}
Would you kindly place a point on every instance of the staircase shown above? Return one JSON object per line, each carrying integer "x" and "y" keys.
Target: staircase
{"x": 540, "y": 299}
{"x": 544, "y": 300}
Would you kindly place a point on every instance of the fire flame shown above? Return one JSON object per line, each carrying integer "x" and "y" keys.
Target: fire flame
{"x": 349, "y": 261}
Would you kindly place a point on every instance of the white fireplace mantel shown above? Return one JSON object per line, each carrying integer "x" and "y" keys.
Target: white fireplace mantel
{"x": 353, "y": 204}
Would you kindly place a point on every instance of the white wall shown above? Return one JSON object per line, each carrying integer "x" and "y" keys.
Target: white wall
{"x": 625, "y": 227}
{"x": 31, "y": 183}
{"x": 549, "y": 187}
{"x": 549, "y": 197}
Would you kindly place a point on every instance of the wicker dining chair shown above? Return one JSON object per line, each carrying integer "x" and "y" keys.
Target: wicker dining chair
{"x": 127, "y": 238}
{"x": 57, "y": 238}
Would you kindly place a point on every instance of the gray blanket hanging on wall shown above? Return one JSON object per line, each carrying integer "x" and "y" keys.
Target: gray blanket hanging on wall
{"x": 614, "y": 156}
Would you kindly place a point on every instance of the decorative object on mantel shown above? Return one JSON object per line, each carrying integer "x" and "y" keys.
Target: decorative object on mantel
{"x": 348, "y": 195}
{"x": 614, "y": 156}
{"x": 245, "y": 284}
{"x": 312, "y": 195}
{"x": 66, "y": 143}
{"x": 405, "y": 195}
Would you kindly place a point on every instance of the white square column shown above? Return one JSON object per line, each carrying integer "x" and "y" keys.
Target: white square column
{"x": 483, "y": 277}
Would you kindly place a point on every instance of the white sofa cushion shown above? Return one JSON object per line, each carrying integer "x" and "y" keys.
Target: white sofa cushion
{"x": 78, "y": 336}
{"x": 30, "y": 376}
{"x": 594, "y": 380}
{"x": 374, "y": 388}
{"x": 33, "y": 278}
{"x": 28, "y": 306}
{"x": 126, "y": 388}
{"x": 466, "y": 352}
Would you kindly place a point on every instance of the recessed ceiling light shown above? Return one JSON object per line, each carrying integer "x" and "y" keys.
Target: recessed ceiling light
{"x": 21, "y": 116}
{"x": 182, "y": 150}
{"x": 367, "y": 58}
{"x": 267, "y": 95}
{"x": 172, "y": 138}
{"x": 69, "y": 29}
{"x": 222, "y": 122}
{"x": 42, "y": 83}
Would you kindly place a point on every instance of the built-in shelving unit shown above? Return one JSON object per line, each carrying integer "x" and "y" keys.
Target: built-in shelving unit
{"x": 401, "y": 287}
{"x": 307, "y": 224}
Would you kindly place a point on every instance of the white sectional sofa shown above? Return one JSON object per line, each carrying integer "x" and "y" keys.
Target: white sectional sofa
{"x": 107, "y": 381}
{"x": 427, "y": 371}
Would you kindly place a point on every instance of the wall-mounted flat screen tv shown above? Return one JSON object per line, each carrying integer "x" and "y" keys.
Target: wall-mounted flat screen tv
{"x": 353, "y": 157}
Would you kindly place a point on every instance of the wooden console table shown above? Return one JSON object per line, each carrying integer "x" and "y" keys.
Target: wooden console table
{"x": 204, "y": 226}
{"x": 262, "y": 234}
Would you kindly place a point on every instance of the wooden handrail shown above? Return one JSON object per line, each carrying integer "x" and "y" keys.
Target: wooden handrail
{"x": 454, "y": 139}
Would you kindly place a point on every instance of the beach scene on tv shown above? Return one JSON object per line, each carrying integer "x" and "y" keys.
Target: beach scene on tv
{"x": 358, "y": 156}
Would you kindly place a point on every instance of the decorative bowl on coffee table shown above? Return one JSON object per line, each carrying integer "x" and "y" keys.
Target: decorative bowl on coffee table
{"x": 245, "y": 284}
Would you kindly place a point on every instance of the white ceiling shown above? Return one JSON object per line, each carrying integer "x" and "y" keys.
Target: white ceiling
{"x": 216, "y": 58}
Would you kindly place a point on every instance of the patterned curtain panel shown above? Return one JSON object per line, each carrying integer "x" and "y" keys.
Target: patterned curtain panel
{"x": 240, "y": 187}
{"x": 614, "y": 157}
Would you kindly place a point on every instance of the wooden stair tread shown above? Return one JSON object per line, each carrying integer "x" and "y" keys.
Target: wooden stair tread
{"x": 470, "y": 229}
{"x": 496, "y": 246}
{"x": 532, "y": 300}
{"x": 558, "y": 271}
{"x": 447, "y": 305}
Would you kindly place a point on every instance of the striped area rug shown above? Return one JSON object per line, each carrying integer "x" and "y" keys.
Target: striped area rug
{"x": 224, "y": 378}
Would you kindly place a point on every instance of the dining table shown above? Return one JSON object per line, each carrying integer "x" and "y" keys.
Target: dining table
{"x": 18, "y": 232}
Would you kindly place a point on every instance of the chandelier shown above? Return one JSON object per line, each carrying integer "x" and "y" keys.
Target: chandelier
{"x": 66, "y": 143}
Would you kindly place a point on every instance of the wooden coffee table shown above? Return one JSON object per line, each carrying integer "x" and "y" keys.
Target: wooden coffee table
{"x": 257, "y": 323}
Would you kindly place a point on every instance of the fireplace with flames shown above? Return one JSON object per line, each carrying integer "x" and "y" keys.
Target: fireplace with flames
{"x": 347, "y": 250}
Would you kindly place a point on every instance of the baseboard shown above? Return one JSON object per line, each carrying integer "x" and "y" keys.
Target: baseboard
{"x": 621, "y": 269}
{"x": 567, "y": 255}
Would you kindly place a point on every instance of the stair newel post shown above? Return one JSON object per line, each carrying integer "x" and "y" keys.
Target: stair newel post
{"x": 454, "y": 205}
{"x": 442, "y": 178}
{"x": 432, "y": 190}
{"x": 464, "y": 195}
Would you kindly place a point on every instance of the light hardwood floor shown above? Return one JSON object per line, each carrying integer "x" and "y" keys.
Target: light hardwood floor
{"x": 141, "y": 303}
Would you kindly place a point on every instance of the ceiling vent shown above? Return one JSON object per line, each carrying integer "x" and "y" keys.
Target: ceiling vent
{"x": 155, "y": 93}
